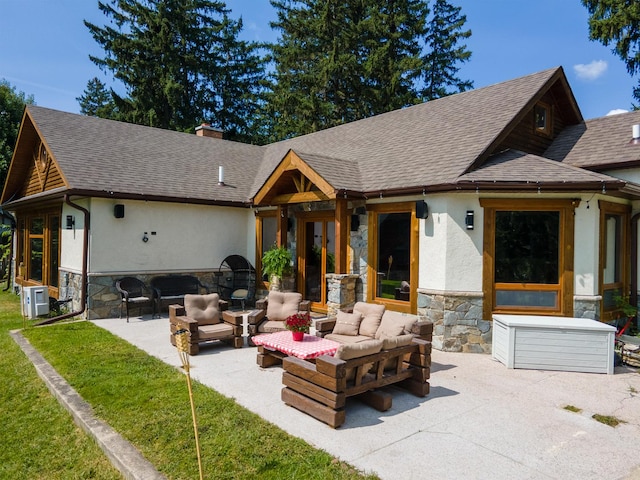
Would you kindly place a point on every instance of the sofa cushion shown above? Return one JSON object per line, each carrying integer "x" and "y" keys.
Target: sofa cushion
{"x": 389, "y": 343}
{"x": 357, "y": 350}
{"x": 282, "y": 304}
{"x": 394, "y": 324}
{"x": 204, "y": 309}
{"x": 347, "y": 323}
{"x": 346, "y": 338}
{"x": 371, "y": 317}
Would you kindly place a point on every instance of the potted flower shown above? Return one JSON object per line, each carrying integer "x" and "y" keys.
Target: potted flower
{"x": 299, "y": 324}
{"x": 276, "y": 262}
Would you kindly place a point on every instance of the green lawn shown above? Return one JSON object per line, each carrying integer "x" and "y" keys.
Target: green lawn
{"x": 146, "y": 401}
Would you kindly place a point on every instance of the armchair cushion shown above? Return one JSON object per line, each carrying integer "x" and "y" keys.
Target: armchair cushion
{"x": 347, "y": 339}
{"x": 204, "y": 309}
{"x": 389, "y": 343}
{"x": 282, "y": 304}
{"x": 394, "y": 324}
{"x": 371, "y": 317}
{"x": 214, "y": 332}
{"x": 347, "y": 323}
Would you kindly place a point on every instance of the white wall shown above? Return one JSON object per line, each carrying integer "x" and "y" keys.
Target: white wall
{"x": 71, "y": 239}
{"x": 180, "y": 236}
{"x": 451, "y": 255}
{"x": 586, "y": 244}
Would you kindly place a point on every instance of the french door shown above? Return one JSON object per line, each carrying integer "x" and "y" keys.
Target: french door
{"x": 316, "y": 256}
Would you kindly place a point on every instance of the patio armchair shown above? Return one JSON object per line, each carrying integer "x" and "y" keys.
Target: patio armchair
{"x": 272, "y": 310}
{"x": 202, "y": 316}
{"x": 133, "y": 292}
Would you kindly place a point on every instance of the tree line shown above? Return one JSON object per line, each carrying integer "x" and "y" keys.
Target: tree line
{"x": 182, "y": 63}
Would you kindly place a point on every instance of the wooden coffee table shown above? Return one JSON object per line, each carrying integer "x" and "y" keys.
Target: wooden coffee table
{"x": 273, "y": 347}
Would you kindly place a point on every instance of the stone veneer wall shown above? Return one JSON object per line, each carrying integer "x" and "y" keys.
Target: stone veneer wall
{"x": 587, "y": 307}
{"x": 103, "y": 300}
{"x": 457, "y": 320}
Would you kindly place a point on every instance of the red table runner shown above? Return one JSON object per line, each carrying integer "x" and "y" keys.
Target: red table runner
{"x": 310, "y": 347}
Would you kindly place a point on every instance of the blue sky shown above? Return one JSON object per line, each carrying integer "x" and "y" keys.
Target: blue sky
{"x": 45, "y": 47}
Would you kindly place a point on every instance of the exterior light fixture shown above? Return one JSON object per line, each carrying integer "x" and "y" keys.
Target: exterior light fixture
{"x": 468, "y": 219}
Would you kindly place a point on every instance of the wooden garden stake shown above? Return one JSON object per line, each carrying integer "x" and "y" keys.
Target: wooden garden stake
{"x": 182, "y": 344}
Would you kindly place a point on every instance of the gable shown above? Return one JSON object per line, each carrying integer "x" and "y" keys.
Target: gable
{"x": 294, "y": 181}
{"x": 33, "y": 169}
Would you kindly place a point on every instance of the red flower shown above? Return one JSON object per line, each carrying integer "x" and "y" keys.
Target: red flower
{"x": 298, "y": 322}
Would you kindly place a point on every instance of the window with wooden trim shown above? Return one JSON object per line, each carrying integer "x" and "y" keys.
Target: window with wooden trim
{"x": 393, "y": 256}
{"x": 528, "y": 260}
{"x": 542, "y": 120}
{"x": 614, "y": 257}
{"x": 38, "y": 249}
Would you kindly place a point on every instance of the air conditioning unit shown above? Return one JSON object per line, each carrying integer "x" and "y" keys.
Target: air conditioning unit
{"x": 35, "y": 301}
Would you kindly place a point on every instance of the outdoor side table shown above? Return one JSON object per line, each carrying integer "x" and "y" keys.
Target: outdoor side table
{"x": 273, "y": 347}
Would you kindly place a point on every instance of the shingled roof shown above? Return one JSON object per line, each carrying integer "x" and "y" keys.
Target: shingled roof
{"x": 443, "y": 144}
{"x": 425, "y": 145}
{"x": 599, "y": 144}
{"x": 105, "y": 157}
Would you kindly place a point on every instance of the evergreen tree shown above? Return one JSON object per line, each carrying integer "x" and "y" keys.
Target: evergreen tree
{"x": 97, "y": 100}
{"x": 171, "y": 56}
{"x": 617, "y": 22}
{"x": 444, "y": 52}
{"x": 338, "y": 61}
{"x": 12, "y": 105}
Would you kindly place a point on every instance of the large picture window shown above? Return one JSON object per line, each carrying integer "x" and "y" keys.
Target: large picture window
{"x": 528, "y": 260}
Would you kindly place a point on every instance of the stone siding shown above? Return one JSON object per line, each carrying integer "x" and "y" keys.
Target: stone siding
{"x": 457, "y": 321}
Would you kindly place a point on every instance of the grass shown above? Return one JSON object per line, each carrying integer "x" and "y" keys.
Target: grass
{"x": 607, "y": 419}
{"x": 39, "y": 440}
{"x": 147, "y": 402}
{"x": 571, "y": 408}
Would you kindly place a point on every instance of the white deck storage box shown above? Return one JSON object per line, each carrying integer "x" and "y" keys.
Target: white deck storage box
{"x": 553, "y": 343}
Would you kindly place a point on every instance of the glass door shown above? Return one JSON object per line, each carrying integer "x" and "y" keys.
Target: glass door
{"x": 316, "y": 253}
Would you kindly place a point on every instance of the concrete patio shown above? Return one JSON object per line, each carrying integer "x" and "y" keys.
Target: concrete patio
{"x": 481, "y": 420}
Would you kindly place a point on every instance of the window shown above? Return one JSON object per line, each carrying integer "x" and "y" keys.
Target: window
{"x": 38, "y": 249}
{"x": 393, "y": 252}
{"x": 542, "y": 118}
{"x": 614, "y": 257}
{"x": 528, "y": 259}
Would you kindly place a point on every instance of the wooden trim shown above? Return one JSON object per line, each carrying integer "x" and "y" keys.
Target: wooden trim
{"x": 565, "y": 284}
{"x": 374, "y": 210}
{"x": 624, "y": 212}
{"x": 343, "y": 233}
{"x": 260, "y": 248}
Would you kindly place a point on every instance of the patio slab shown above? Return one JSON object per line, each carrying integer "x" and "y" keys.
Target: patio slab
{"x": 481, "y": 420}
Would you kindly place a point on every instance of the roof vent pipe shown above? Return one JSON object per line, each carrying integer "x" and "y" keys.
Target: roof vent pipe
{"x": 221, "y": 175}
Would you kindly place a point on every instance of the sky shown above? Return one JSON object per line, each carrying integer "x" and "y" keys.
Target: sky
{"x": 45, "y": 48}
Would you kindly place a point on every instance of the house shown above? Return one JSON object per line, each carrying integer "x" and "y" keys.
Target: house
{"x": 500, "y": 199}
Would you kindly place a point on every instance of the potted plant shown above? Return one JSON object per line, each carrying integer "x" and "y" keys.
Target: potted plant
{"x": 276, "y": 262}
{"x": 299, "y": 324}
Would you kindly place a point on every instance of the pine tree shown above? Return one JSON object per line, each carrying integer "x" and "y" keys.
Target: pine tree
{"x": 97, "y": 100}
{"x": 171, "y": 57}
{"x": 444, "y": 53}
{"x": 618, "y": 22}
{"x": 338, "y": 61}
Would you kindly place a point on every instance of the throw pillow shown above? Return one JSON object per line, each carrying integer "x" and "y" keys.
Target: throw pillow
{"x": 371, "y": 317}
{"x": 203, "y": 308}
{"x": 347, "y": 323}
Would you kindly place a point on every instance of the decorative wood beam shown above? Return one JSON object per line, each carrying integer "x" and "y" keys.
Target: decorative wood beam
{"x": 313, "y": 196}
{"x": 342, "y": 235}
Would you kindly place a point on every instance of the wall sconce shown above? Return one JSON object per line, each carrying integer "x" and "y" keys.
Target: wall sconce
{"x": 71, "y": 222}
{"x": 468, "y": 220}
{"x": 118, "y": 210}
{"x": 422, "y": 209}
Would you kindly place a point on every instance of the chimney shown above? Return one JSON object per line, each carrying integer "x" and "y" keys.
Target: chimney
{"x": 206, "y": 130}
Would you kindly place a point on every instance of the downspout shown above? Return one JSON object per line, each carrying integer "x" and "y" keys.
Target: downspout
{"x": 633, "y": 295}
{"x": 85, "y": 251}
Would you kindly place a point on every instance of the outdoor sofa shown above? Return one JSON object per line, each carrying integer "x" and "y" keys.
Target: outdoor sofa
{"x": 377, "y": 348}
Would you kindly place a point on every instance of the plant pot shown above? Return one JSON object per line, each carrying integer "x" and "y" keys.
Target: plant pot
{"x": 275, "y": 283}
{"x": 297, "y": 336}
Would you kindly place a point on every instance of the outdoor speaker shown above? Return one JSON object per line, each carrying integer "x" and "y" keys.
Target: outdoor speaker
{"x": 422, "y": 210}
{"x": 118, "y": 210}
